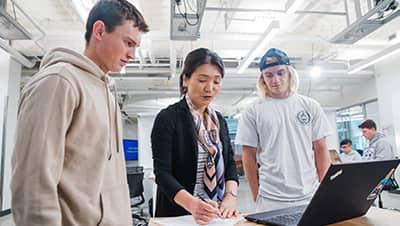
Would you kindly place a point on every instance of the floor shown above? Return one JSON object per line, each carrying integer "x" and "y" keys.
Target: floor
{"x": 6, "y": 221}
{"x": 246, "y": 205}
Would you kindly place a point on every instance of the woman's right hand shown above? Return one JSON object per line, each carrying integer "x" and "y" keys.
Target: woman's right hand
{"x": 203, "y": 212}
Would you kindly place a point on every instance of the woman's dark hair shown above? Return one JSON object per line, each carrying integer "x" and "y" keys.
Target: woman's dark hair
{"x": 195, "y": 59}
{"x": 114, "y": 13}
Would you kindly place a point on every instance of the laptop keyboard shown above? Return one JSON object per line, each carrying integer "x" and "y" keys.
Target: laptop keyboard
{"x": 288, "y": 219}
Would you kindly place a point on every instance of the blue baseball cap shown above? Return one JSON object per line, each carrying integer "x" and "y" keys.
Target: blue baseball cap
{"x": 272, "y": 58}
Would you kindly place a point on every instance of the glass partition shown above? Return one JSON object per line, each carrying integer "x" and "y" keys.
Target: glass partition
{"x": 348, "y": 119}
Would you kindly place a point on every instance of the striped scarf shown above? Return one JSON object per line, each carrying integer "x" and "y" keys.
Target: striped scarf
{"x": 208, "y": 136}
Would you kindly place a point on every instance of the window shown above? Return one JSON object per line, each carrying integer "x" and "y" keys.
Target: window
{"x": 232, "y": 127}
{"x": 348, "y": 119}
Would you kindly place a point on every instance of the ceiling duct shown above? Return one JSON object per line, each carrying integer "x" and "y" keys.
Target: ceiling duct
{"x": 10, "y": 29}
{"x": 186, "y": 19}
{"x": 133, "y": 73}
{"x": 382, "y": 13}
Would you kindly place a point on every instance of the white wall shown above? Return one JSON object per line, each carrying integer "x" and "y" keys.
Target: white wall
{"x": 130, "y": 129}
{"x": 357, "y": 94}
{"x": 388, "y": 88}
{"x": 9, "y": 87}
{"x": 332, "y": 140}
{"x": 145, "y": 125}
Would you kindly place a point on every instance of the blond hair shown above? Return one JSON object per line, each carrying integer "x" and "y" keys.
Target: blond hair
{"x": 334, "y": 156}
{"x": 292, "y": 87}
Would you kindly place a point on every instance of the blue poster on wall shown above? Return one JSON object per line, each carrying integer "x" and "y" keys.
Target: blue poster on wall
{"x": 130, "y": 149}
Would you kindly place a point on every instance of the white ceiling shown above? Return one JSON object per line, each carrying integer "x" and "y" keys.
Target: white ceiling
{"x": 231, "y": 28}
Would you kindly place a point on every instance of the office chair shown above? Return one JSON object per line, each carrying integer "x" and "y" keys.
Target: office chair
{"x": 135, "y": 181}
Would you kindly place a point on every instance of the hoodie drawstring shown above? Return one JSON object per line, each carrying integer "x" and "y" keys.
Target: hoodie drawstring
{"x": 109, "y": 116}
{"x": 116, "y": 116}
{"x": 106, "y": 82}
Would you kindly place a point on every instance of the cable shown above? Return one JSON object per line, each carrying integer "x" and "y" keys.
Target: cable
{"x": 185, "y": 3}
{"x": 185, "y": 15}
{"x": 392, "y": 7}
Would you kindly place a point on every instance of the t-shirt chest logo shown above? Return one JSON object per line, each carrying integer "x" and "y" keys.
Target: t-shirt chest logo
{"x": 303, "y": 117}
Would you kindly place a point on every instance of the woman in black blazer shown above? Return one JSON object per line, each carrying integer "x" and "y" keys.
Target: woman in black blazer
{"x": 193, "y": 158}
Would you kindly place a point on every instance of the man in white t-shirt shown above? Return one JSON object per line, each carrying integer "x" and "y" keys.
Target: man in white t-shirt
{"x": 284, "y": 133}
{"x": 348, "y": 154}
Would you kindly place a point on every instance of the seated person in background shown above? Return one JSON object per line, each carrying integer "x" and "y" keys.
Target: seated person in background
{"x": 334, "y": 156}
{"x": 378, "y": 147}
{"x": 349, "y": 155}
{"x": 192, "y": 153}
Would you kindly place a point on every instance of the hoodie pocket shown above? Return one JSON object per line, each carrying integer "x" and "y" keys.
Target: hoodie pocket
{"x": 115, "y": 206}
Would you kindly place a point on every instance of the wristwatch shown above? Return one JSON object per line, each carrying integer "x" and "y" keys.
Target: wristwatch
{"x": 233, "y": 193}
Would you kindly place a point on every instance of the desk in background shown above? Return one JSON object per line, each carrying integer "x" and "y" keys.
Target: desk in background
{"x": 374, "y": 217}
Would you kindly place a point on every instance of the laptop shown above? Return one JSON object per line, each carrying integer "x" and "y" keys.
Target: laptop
{"x": 347, "y": 191}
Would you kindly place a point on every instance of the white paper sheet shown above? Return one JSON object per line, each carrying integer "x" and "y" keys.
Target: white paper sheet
{"x": 188, "y": 220}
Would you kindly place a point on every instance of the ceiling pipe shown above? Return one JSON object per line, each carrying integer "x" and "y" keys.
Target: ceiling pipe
{"x": 244, "y": 10}
{"x": 17, "y": 56}
{"x": 42, "y": 32}
{"x": 38, "y": 27}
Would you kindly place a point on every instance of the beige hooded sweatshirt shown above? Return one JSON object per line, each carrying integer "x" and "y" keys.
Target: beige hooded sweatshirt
{"x": 68, "y": 166}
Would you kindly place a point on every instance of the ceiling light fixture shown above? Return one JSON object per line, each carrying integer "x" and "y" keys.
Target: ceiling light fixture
{"x": 315, "y": 71}
{"x": 269, "y": 33}
{"x": 83, "y": 7}
{"x": 390, "y": 51}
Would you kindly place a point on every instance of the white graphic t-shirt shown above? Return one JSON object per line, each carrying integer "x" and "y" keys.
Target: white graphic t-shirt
{"x": 283, "y": 131}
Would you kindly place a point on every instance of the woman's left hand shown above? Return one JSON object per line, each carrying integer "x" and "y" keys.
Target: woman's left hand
{"x": 228, "y": 206}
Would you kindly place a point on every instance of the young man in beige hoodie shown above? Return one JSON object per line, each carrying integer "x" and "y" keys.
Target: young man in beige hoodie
{"x": 68, "y": 164}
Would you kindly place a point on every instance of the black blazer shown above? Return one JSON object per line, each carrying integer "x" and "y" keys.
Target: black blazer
{"x": 174, "y": 146}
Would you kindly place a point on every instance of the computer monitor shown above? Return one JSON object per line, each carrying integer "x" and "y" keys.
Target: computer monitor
{"x": 130, "y": 149}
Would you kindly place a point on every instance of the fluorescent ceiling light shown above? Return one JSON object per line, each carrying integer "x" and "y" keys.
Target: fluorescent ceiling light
{"x": 293, "y": 6}
{"x": 390, "y": 51}
{"x": 315, "y": 71}
{"x": 83, "y": 7}
{"x": 269, "y": 33}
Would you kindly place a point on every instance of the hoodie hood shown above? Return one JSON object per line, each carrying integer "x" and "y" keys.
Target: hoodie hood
{"x": 63, "y": 55}
{"x": 377, "y": 136}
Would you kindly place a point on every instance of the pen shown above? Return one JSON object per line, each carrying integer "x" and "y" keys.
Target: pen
{"x": 201, "y": 197}
{"x": 378, "y": 189}
{"x": 388, "y": 175}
